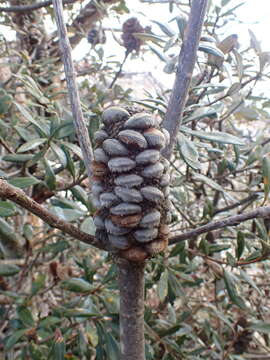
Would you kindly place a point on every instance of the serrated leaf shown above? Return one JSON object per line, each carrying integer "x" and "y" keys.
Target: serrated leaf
{"x": 7, "y": 209}
{"x": 162, "y": 286}
{"x": 23, "y": 182}
{"x": 76, "y": 285}
{"x": 231, "y": 290}
{"x": 9, "y": 269}
{"x": 216, "y": 136}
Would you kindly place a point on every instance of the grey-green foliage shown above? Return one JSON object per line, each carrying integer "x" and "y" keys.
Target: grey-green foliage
{"x": 206, "y": 297}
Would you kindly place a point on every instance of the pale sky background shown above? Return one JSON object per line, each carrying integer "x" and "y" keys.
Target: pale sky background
{"x": 254, "y": 15}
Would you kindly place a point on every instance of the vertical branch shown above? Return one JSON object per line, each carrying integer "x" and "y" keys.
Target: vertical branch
{"x": 131, "y": 284}
{"x": 186, "y": 63}
{"x": 81, "y": 129}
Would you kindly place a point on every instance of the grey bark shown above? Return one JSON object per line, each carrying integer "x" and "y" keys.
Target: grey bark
{"x": 131, "y": 285}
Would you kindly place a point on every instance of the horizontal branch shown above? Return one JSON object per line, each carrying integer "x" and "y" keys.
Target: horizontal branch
{"x": 260, "y": 212}
{"x": 18, "y": 196}
{"x": 32, "y": 7}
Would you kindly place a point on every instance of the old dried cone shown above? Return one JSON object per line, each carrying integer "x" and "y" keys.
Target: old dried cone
{"x": 130, "y": 184}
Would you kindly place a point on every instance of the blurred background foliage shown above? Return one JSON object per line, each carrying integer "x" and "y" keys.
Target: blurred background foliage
{"x": 206, "y": 298}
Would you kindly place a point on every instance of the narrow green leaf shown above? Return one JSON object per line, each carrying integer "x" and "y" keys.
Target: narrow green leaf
{"x": 162, "y": 286}
{"x": 189, "y": 152}
{"x": 148, "y": 37}
{"x": 88, "y": 226}
{"x": 76, "y": 285}
{"x": 262, "y": 327}
{"x": 266, "y": 177}
{"x": 240, "y": 244}
{"x": 216, "y": 136}
{"x": 23, "y": 182}
{"x": 25, "y": 316}
{"x": 7, "y": 209}
{"x": 40, "y": 125}
{"x": 205, "y": 47}
{"x": 59, "y": 153}
{"x": 50, "y": 177}
{"x": 32, "y": 144}
{"x": 208, "y": 182}
{"x": 9, "y": 269}
{"x": 17, "y": 158}
{"x": 165, "y": 28}
{"x": 231, "y": 289}
{"x": 14, "y": 338}
{"x": 74, "y": 148}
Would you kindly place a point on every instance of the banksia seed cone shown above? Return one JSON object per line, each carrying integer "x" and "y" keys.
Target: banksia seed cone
{"x": 131, "y": 182}
{"x": 130, "y": 27}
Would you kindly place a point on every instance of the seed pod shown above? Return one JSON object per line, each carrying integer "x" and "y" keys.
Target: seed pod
{"x": 145, "y": 235}
{"x": 166, "y": 164}
{"x": 167, "y": 136}
{"x": 100, "y": 136}
{"x": 133, "y": 139}
{"x": 152, "y": 193}
{"x": 156, "y": 246}
{"x": 99, "y": 222}
{"x": 121, "y": 164}
{"x": 166, "y": 191}
{"x": 97, "y": 189}
{"x": 114, "y": 229}
{"x": 140, "y": 121}
{"x": 96, "y": 203}
{"x": 108, "y": 199}
{"x": 129, "y": 221}
{"x": 150, "y": 220}
{"x": 113, "y": 147}
{"x": 147, "y": 157}
{"x": 131, "y": 183}
{"x": 119, "y": 242}
{"x": 124, "y": 209}
{"x": 113, "y": 115}
{"x": 154, "y": 138}
{"x": 153, "y": 171}
{"x": 128, "y": 195}
{"x": 165, "y": 180}
{"x": 128, "y": 181}
{"x": 100, "y": 156}
{"x": 99, "y": 169}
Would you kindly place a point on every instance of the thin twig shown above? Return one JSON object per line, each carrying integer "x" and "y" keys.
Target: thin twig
{"x": 120, "y": 70}
{"x": 260, "y": 212}
{"x": 17, "y": 196}
{"x": 186, "y": 63}
{"x": 79, "y": 122}
{"x": 32, "y": 7}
